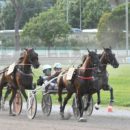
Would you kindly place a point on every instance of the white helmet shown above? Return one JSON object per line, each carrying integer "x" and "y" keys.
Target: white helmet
{"x": 58, "y": 65}
{"x": 46, "y": 67}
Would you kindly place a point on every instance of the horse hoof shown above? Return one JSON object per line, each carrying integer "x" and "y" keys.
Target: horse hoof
{"x": 62, "y": 115}
{"x": 12, "y": 114}
{"x": 97, "y": 106}
{"x": 82, "y": 119}
{"x": 67, "y": 116}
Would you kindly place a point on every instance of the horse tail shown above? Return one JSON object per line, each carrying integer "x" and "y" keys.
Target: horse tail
{"x": 3, "y": 81}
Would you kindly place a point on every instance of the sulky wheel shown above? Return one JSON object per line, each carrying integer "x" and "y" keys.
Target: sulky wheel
{"x": 46, "y": 104}
{"x": 17, "y": 103}
{"x": 89, "y": 111}
{"x": 31, "y": 106}
{"x": 75, "y": 107}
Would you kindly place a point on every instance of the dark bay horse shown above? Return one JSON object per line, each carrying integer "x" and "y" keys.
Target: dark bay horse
{"x": 81, "y": 82}
{"x": 107, "y": 57}
{"x": 21, "y": 78}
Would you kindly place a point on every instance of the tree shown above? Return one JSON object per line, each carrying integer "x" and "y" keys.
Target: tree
{"x": 17, "y": 12}
{"x": 73, "y": 11}
{"x": 18, "y": 6}
{"x": 92, "y": 12}
{"x": 30, "y": 8}
{"x": 47, "y": 26}
{"x": 111, "y": 27}
{"x": 103, "y": 34}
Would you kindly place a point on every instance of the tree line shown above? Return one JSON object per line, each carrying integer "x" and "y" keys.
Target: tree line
{"x": 45, "y": 21}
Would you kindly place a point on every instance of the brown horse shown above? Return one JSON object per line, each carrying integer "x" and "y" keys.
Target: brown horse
{"x": 81, "y": 83}
{"x": 107, "y": 57}
{"x": 21, "y": 78}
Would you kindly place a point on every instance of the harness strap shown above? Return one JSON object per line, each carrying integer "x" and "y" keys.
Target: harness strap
{"x": 87, "y": 68}
{"x": 23, "y": 64}
{"x": 86, "y": 78}
{"x": 30, "y": 74}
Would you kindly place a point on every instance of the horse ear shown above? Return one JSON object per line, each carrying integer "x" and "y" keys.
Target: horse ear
{"x": 88, "y": 50}
{"x": 104, "y": 48}
{"x": 110, "y": 47}
{"x": 25, "y": 49}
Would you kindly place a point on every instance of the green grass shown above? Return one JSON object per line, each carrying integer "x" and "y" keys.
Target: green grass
{"x": 119, "y": 79}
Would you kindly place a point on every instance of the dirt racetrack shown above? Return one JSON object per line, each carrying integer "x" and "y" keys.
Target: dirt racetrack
{"x": 100, "y": 120}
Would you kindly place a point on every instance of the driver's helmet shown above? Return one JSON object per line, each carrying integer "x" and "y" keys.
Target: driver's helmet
{"x": 47, "y": 70}
{"x": 57, "y": 66}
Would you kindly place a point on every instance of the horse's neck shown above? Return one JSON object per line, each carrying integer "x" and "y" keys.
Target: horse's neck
{"x": 86, "y": 64}
{"x": 84, "y": 67}
{"x": 25, "y": 66}
{"x": 103, "y": 63}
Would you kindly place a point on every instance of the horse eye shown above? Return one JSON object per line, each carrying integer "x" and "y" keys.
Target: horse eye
{"x": 113, "y": 54}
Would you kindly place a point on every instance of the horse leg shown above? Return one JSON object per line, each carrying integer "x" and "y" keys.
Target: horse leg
{"x": 88, "y": 103}
{"x": 14, "y": 91}
{"x": 65, "y": 102}
{"x": 7, "y": 94}
{"x": 5, "y": 97}
{"x": 98, "y": 101}
{"x": 24, "y": 93}
{"x": 111, "y": 95}
{"x": 60, "y": 97}
{"x": 1, "y": 88}
{"x": 80, "y": 106}
{"x": 109, "y": 88}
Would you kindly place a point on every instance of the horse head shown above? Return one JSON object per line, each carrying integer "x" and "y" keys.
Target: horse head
{"x": 90, "y": 61}
{"x": 31, "y": 57}
{"x": 95, "y": 62}
{"x": 109, "y": 57}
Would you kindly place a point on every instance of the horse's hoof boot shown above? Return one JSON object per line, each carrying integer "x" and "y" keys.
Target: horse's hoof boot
{"x": 82, "y": 119}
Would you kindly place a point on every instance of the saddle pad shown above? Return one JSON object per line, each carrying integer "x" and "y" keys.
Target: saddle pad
{"x": 70, "y": 73}
{"x": 11, "y": 68}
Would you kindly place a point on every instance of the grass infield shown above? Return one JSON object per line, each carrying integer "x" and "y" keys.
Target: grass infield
{"x": 119, "y": 79}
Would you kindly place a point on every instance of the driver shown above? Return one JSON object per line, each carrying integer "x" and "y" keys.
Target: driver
{"x": 47, "y": 75}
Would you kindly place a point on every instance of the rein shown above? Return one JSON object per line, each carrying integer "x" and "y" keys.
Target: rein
{"x": 87, "y": 68}
{"x": 30, "y": 74}
{"x": 86, "y": 78}
{"x": 24, "y": 64}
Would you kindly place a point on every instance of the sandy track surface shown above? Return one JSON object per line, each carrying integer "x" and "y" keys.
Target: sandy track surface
{"x": 119, "y": 119}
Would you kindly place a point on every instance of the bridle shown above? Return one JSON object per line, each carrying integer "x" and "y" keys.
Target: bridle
{"x": 90, "y": 68}
{"x": 108, "y": 60}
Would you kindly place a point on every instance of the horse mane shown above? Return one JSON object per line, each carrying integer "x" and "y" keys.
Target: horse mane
{"x": 21, "y": 57}
{"x": 84, "y": 58}
{"x": 99, "y": 55}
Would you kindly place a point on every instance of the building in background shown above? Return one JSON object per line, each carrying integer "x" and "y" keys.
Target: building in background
{"x": 115, "y": 3}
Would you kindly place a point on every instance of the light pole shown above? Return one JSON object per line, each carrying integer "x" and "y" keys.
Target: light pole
{"x": 80, "y": 6}
{"x": 127, "y": 27}
{"x": 67, "y": 11}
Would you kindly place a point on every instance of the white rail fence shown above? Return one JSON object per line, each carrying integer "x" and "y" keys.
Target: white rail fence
{"x": 66, "y": 57}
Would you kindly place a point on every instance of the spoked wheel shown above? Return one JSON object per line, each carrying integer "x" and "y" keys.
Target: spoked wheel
{"x": 75, "y": 107}
{"x": 31, "y": 106}
{"x": 17, "y": 103}
{"x": 46, "y": 104}
{"x": 89, "y": 111}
